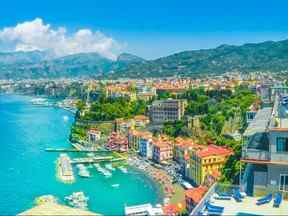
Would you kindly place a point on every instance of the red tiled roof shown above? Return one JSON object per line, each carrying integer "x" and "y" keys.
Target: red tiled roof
{"x": 171, "y": 210}
{"x": 211, "y": 150}
{"x": 196, "y": 194}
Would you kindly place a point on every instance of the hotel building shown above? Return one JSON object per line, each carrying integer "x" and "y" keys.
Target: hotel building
{"x": 265, "y": 149}
{"x": 167, "y": 110}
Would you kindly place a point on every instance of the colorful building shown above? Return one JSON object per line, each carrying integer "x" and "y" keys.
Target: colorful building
{"x": 162, "y": 149}
{"x": 205, "y": 162}
{"x": 135, "y": 136}
{"x": 117, "y": 142}
{"x": 182, "y": 149}
{"x": 193, "y": 197}
{"x": 93, "y": 135}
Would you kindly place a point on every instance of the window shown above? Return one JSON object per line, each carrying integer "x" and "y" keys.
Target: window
{"x": 283, "y": 186}
{"x": 282, "y": 144}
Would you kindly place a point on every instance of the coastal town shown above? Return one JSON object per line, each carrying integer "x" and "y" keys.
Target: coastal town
{"x": 213, "y": 145}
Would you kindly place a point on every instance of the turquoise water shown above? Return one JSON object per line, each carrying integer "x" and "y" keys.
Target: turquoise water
{"x": 246, "y": 214}
{"x": 27, "y": 171}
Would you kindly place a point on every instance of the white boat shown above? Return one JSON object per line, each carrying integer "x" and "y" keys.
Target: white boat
{"x": 115, "y": 185}
{"x": 109, "y": 167}
{"x": 123, "y": 169}
{"x": 77, "y": 200}
{"x": 65, "y": 118}
{"x": 83, "y": 172}
{"x": 100, "y": 169}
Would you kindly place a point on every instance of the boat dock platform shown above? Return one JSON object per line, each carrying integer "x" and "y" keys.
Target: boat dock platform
{"x": 65, "y": 171}
{"x": 73, "y": 150}
{"x": 91, "y": 160}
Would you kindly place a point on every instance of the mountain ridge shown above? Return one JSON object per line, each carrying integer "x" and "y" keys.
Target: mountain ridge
{"x": 267, "y": 56}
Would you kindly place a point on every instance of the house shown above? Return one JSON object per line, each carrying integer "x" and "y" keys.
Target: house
{"x": 162, "y": 149}
{"x": 117, "y": 142}
{"x": 182, "y": 149}
{"x": 135, "y": 137}
{"x": 194, "y": 196}
{"x": 93, "y": 135}
{"x": 141, "y": 121}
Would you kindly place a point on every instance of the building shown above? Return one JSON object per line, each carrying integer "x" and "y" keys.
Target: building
{"x": 251, "y": 113}
{"x": 205, "y": 162}
{"x": 94, "y": 135}
{"x": 146, "y": 147}
{"x": 182, "y": 149}
{"x": 194, "y": 196}
{"x": 162, "y": 149}
{"x": 144, "y": 209}
{"x": 265, "y": 149}
{"x": 141, "y": 121}
{"x": 167, "y": 110}
{"x": 136, "y": 136}
{"x": 123, "y": 126}
{"x": 117, "y": 142}
{"x": 137, "y": 122}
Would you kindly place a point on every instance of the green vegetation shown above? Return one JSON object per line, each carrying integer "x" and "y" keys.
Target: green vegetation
{"x": 109, "y": 109}
{"x": 177, "y": 128}
{"x": 222, "y": 111}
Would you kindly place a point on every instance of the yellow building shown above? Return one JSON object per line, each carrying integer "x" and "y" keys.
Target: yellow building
{"x": 205, "y": 162}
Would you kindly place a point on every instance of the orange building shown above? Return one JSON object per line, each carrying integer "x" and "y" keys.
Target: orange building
{"x": 193, "y": 197}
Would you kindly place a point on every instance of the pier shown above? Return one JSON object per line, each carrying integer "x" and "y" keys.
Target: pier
{"x": 91, "y": 160}
{"x": 65, "y": 171}
{"x": 73, "y": 150}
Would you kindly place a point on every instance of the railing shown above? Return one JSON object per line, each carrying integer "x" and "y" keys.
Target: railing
{"x": 255, "y": 154}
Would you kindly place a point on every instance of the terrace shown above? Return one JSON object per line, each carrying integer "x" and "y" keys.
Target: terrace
{"x": 247, "y": 205}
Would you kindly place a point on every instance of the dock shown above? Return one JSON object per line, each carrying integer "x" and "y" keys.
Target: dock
{"x": 73, "y": 150}
{"x": 91, "y": 160}
{"x": 64, "y": 168}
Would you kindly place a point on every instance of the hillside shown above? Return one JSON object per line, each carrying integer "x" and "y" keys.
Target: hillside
{"x": 267, "y": 56}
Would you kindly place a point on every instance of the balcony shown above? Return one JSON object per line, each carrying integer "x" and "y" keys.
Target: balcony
{"x": 255, "y": 154}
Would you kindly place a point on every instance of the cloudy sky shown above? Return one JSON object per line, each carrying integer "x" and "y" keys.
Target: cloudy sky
{"x": 150, "y": 28}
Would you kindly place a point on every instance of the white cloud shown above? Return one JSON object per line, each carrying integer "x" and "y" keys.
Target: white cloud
{"x": 36, "y": 35}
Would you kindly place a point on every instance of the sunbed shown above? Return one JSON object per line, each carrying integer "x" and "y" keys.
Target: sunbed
{"x": 265, "y": 199}
{"x": 277, "y": 200}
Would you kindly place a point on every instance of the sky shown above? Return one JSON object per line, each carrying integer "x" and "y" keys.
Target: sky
{"x": 150, "y": 28}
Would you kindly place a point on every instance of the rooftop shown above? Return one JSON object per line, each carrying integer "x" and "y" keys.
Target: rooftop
{"x": 211, "y": 150}
{"x": 260, "y": 122}
{"x": 196, "y": 194}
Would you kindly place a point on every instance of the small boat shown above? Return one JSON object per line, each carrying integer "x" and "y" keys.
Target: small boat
{"x": 65, "y": 118}
{"x": 77, "y": 200}
{"x": 123, "y": 169}
{"x": 109, "y": 167}
{"x": 83, "y": 172}
{"x": 115, "y": 185}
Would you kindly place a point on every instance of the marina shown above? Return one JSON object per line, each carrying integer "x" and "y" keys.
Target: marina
{"x": 33, "y": 166}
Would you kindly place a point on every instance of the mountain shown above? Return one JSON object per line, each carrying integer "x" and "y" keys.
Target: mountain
{"x": 9, "y": 58}
{"x": 77, "y": 65}
{"x": 129, "y": 58}
{"x": 268, "y": 56}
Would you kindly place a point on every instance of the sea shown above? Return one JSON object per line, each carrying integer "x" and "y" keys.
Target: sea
{"x": 27, "y": 171}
